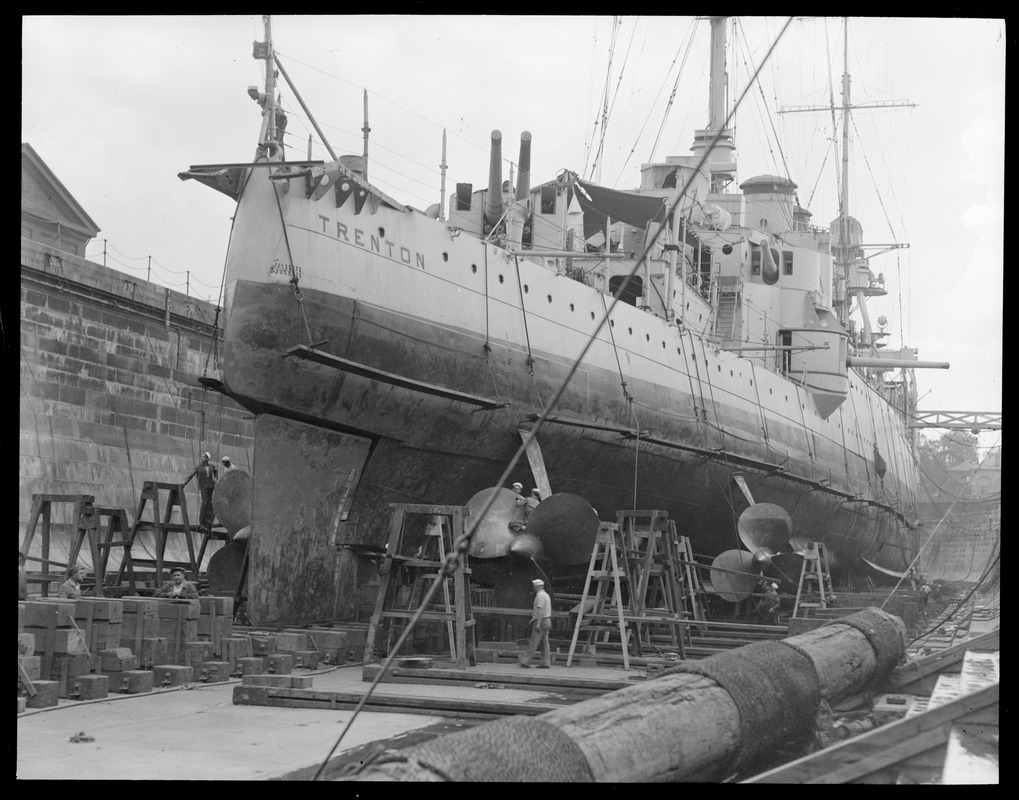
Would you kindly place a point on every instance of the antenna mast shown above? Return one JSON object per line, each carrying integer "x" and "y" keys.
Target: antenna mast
{"x": 365, "y": 130}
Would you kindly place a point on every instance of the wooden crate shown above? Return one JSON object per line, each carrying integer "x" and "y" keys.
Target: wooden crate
{"x": 90, "y": 687}
{"x": 166, "y": 675}
{"x": 137, "y": 681}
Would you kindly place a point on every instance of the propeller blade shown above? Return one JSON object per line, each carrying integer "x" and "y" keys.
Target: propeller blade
{"x": 765, "y": 525}
{"x": 734, "y": 574}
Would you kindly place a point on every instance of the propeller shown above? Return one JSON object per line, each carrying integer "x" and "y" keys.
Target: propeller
{"x": 734, "y": 575}
{"x": 566, "y": 526}
{"x": 766, "y": 530}
{"x": 492, "y": 537}
{"x": 231, "y": 500}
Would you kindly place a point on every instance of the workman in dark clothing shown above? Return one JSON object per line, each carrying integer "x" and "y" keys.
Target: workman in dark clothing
{"x": 207, "y": 475}
{"x": 769, "y": 605}
{"x": 178, "y": 588}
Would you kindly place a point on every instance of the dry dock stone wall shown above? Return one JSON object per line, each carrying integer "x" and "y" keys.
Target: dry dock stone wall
{"x": 109, "y": 396}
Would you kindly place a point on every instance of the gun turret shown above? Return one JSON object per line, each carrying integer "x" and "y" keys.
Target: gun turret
{"x": 493, "y": 203}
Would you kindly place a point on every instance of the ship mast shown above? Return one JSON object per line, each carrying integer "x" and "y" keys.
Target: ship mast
{"x": 853, "y": 278}
{"x": 721, "y": 162}
{"x": 270, "y": 82}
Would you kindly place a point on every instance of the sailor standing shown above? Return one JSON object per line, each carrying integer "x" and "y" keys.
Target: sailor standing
{"x": 541, "y": 619}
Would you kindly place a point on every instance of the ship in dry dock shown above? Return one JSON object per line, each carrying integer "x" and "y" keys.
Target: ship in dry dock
{"x": 392, "y": 354}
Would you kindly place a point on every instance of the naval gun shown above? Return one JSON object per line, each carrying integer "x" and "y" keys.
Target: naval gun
{"x": 493, "y": 201}
{"x": 496, "y": 202}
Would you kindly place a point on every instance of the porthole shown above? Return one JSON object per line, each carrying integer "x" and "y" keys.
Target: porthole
{"x": 382, "y": 232}
{"x": 445, "y": 256}
{"x": 630, "y": 331}
{"x": 719, "y": 367}
{"x": 771, "y": 391}
{"x": 730, "y": 374}
{"x": 647, "y": 336}
{"x": 592, "y": 315}
{"x": 526, "y": 288}
{"x": 474, "y": 268}
{"x": 500, "y": 279}
{"x": 612, "y": 323}
{"x": 663, "y": 345}
{"x": 549, "y": 298}
{"x": 571, "y": 307}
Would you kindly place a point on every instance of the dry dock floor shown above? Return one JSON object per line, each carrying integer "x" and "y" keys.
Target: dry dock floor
{"x": 199, "y": 734}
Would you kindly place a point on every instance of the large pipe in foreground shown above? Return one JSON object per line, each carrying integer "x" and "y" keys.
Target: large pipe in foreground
{"x": 493, "y": 201}
{"x": 700, "y": 721}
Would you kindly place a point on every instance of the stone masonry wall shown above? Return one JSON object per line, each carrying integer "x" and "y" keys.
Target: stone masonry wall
{"x": 109, "y": 395}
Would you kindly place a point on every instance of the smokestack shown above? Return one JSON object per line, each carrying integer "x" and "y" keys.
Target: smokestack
{"x": 493, "y": 203}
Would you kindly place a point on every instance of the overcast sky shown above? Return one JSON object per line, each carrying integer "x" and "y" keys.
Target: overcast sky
{"x": 117, "y": 106}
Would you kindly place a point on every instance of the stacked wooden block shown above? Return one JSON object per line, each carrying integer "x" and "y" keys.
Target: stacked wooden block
{"x": 178, "y": 624}
{"x": 333, "y": 646}
{"x": 139, "y": 631}
{"x": 216, "y": 621}
{"x": 61, "y": 643}
{"x": 59, "y": 646}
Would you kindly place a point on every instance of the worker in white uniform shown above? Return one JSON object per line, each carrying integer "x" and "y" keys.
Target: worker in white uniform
{"x": 541, "y": 619}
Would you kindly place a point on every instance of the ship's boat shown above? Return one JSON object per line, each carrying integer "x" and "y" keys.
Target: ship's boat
{"x": 394, "y": 355}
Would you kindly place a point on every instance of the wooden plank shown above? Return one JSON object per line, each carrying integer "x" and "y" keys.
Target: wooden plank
{"x": 902, "y": 677}
{"x": 870, "y": 758}
{"x": 970, "y": 759}
{"x": 855, "y": 758}
{"x": 519, "y": 679}
{"x": 537, "y": 463}
{"x": 394, "y": 704}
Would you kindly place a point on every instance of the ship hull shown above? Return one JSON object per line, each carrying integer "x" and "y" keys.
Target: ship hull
{"x": 388, "y": 435}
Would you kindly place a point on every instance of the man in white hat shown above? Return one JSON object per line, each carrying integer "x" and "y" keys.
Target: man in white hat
{"x": 541, "y": 619}
{"x": 227, "y": 464}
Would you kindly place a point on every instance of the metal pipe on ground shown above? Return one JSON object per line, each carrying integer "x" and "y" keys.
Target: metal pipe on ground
{"x": 699, "y": 721}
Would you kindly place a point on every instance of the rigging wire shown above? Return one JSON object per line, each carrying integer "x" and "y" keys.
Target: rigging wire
{"x": 767, "y": 111}
{"x": 462, "y": 545}
{"x": 647, "y": 119}
{"x": 604, "y": 117}
{"x": 675, "y": 86}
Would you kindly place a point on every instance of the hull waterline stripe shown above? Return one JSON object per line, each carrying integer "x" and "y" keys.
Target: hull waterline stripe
{"x": 344, "y": 365}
